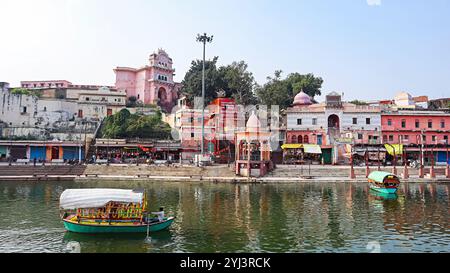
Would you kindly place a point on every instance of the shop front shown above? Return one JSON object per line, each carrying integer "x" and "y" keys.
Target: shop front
{"x": 299, "y": 154}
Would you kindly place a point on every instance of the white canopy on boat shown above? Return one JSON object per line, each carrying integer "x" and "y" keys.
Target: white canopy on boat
{"x": 97, "y": 198}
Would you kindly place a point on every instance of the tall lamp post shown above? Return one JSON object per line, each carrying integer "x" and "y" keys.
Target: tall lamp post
{"x": 203, "y": 39}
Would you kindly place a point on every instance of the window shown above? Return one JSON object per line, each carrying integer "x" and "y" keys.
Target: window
{"x": 389, "y": 122}
{"x": 403, "y": 123}
{"x": 314, "y": 121}
{"x": 406, "y": 137}
{"x": 299, "y": 121}
{"x": 385, "y": 138}
{"x": 442, "y": 124}
{"x": 294, "y": 139}
{"x": 417, "y": 123}
{"x": 300, "y": 139}
{"x": 306, "y": 139}
{"x": 446, "y": 138}
{"x": 391, "y": 138}
{"x": 360, "y": 136}
{"x": 24, "y": 109}
{"x": 355, "y": 120}
{"x": 45, "y": 109}
{"x": 367, "y": 121}
{"x": 192, "y": 135}
{"x": 433, "y": 138}
{"x": 87, "y": 99}
{"x": 430, "y": 124}
{"x": 424, "y": 138}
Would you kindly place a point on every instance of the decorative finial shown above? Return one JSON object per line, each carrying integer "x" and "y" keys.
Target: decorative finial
{"x": 221, "y": 93}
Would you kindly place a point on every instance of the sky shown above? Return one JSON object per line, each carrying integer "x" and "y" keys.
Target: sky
{"x": 366, "y": 49}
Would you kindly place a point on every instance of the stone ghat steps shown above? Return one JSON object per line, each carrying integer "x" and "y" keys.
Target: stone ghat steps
{"x": 143, "y": 170}
{"x": 41, "y": 170}
{"x": 296, "y": 171}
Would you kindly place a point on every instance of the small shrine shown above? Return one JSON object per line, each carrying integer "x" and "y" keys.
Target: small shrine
{"x": 253, "y": 151}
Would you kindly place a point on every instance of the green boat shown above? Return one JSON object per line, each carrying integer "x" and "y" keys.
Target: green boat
{"x": 384, "y": 182}
{"x": 109, "y": 211}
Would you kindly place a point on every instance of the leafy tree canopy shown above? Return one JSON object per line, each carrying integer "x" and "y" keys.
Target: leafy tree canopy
{"x": 239, "y": 83}
{"x": 26, "y": 92}
{"x": 358, "y": 102}
{"x": 234, "y": 79}
{"x": 278, "y": 91}
{"x": 127, "y": 125}
{"x": 192, "y": 83}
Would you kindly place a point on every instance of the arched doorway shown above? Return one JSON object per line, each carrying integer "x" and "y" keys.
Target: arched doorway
{"x": 333, "y": 122}
{"x": 294, "y": 139}
{"x": 162, "y": 95}
{"x": 333, "y": 125}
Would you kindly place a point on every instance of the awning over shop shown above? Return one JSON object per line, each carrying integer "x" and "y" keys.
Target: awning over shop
{"x": 390, "y": 148}
{"x": 291, "y": 146}
{"x": 312, "y": 149}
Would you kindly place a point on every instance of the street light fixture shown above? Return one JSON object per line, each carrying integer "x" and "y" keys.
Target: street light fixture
{"x": 203, "y": 39}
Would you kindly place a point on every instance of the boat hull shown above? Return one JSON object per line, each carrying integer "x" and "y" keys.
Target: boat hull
{"x": 383, "y": 190}
{"x": 93, "y": 228}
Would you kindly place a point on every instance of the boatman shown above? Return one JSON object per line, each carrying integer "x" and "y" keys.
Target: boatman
{"x": 160, "y": 214}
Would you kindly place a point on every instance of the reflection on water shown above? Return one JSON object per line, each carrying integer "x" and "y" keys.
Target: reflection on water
{"x": 311, "y": 217}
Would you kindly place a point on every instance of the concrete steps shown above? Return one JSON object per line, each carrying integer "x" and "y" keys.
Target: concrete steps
{"x": 41, "y": 170}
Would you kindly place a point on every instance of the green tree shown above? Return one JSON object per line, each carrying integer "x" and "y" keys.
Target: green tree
{"x": 126, "y": 125}
{"x": 132, "y": 101}
{"x": 358, "y": 102}
{"x": 310, "y": 84}
{"x": 239, "y": 83}
{"x": 192, "y": 83}
{"x": 275, "y": 91}
{"x": 278, "y": 91}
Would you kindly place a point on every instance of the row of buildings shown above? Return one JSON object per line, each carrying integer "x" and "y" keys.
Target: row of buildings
{"x": 58, "y": 120}
{"x": 336, "y": 128}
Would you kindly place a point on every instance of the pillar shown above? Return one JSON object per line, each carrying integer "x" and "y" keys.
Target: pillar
{"x": 405, "y": 169}
{"x": 352, "y": 170}
{"x": 367, "y": 165}
{"x": 405, "y": 172}
{"x": 447, "y": 169}
{"x": 248, "y": 159}
{"x": 421, "y": 171}
{"x": 432, "y": 172}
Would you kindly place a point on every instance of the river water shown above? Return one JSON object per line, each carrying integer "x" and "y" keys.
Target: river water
{"x": 312, "y": 217}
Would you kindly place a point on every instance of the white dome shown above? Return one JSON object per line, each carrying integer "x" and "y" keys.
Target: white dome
{"x": 253, "y": 123}
{"x": 302, "y": 99}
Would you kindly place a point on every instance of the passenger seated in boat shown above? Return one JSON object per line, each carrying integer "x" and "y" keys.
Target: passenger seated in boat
{"x": 160, "y": 214}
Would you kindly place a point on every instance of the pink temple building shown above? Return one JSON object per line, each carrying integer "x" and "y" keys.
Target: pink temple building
{"x": 151, "y": 84}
